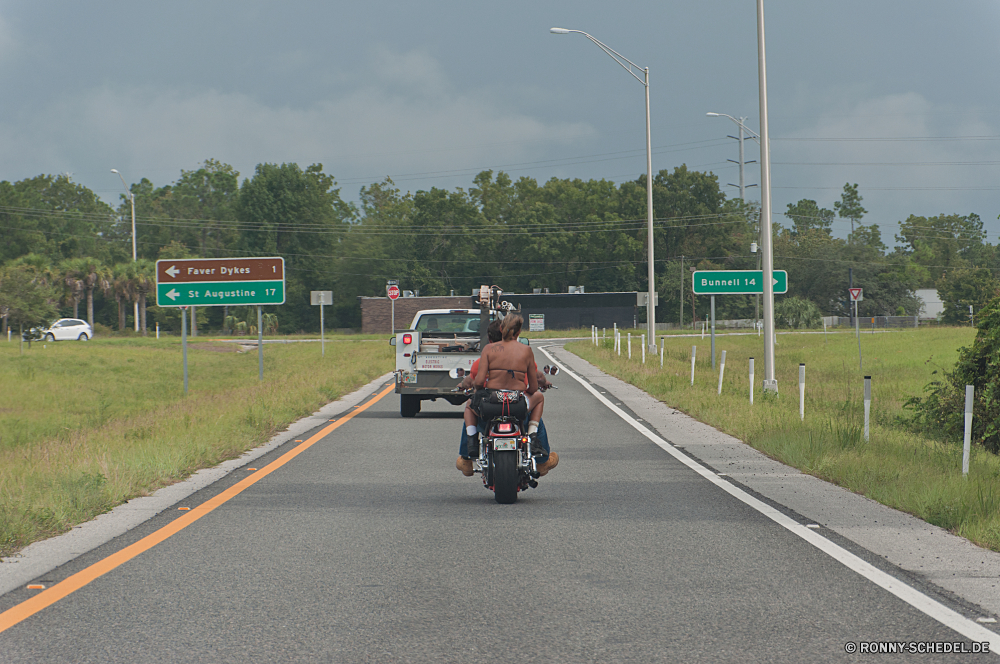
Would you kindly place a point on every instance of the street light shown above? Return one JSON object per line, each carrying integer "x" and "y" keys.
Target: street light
{"x": 770, "y": 382}
{"x": 629, "y": 67}
{"x": 131, "y": 198}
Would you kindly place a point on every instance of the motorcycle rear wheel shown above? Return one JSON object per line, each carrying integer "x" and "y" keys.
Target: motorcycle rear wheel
{"x": 505, "y": 477}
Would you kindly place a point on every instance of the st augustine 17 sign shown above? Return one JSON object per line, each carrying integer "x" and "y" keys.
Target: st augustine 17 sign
{"x": 220, "y": 281}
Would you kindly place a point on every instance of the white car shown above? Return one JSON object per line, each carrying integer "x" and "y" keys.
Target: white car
{"x": 68, "y": 328}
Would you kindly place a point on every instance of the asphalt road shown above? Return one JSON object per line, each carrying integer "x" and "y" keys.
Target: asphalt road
{"x": 370, "y": 547}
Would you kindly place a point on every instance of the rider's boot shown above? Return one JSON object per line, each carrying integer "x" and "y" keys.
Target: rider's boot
{"x": 473, "y": 452}
{"x": 548, "y": 464}
{"x": 465, "y": 465}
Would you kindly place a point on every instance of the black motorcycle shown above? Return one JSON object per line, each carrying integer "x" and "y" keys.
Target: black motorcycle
{"x": 508, "y": 457}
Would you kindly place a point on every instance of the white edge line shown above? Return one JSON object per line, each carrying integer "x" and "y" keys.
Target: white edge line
{"x": 930, "y": 607}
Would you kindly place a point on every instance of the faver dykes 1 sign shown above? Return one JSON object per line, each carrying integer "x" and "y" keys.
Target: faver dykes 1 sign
{"x": 220, "y": 281}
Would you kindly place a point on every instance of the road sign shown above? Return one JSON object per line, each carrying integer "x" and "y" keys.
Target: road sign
{"x": 220, "y": 281}
{"x": 392, "y": 282}
{"x": 320, "y": 297}
{"x": 736, "y": 282}
{"x": 856, "y": 294}
{"x": 392, "y": 292}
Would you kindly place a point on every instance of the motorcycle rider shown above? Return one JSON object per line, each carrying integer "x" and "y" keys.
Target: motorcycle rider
{"x": 507, "y": 365}
{"x": 467, "y": 451}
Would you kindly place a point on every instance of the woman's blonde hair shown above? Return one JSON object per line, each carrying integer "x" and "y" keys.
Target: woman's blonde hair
{"x": 511, "y": 326}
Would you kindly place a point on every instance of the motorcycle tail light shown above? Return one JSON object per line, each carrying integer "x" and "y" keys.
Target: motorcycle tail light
{"x": 407, "y": 339}
{"x": 505, "y": 427}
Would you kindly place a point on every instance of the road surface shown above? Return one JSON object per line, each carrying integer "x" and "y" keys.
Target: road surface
{"x": 369, "y": 546}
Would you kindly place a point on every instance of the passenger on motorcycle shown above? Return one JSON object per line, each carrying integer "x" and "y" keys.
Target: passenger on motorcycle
{"x": 506, "y": 365}
{"x": 464, "y": 463}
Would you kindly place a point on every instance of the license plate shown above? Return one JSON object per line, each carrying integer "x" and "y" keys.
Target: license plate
{"x": 409, "y": 378}
{"x": 504, "y": 444}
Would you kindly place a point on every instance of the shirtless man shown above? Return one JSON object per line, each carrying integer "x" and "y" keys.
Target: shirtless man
{"x": 507, "y": 365}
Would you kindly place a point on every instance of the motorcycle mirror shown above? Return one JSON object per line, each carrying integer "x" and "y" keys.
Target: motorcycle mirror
{"x": 457, "y": 372}
{"x": 551, "y": 370}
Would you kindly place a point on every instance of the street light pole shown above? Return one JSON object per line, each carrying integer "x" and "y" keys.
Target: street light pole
{"x": 629, "y": 66}
{"x": 770, "y": 381}
{"x": 131, "y": 198}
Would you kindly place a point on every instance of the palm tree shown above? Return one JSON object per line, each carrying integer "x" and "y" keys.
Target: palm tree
{"x": 72, "y": 285}
{"x": 143, "y": 277}
{"x": 93, "y": 274}
{"x": 122, "y": 289}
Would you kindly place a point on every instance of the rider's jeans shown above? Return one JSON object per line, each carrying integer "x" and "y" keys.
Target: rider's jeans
{"x": 543, "y": 438}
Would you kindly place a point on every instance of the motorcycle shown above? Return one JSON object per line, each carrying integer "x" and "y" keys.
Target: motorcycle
{"x": 508, "y": 457}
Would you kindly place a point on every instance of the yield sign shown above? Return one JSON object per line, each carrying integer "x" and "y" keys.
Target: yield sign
{"x": 856, "y": 295}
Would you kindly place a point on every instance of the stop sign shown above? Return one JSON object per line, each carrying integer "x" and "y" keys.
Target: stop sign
{"x": 393, "y": 292}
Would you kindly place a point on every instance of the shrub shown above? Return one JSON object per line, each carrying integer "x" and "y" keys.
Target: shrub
{"x": 943, "y": 408}
{"x": 797, "y": 313}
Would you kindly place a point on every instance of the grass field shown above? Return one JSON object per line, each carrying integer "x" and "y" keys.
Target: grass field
{"x": 899, "y": 467}
{"x": 87, "y": 426}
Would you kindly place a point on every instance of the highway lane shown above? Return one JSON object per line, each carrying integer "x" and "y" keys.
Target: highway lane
{"x": 371, "y": 547}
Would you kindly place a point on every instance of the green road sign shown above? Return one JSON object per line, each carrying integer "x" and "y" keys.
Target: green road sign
{"x": 207, "y": 293}
{"x": 736, "y": 282}
{"x": 203, "y": 282}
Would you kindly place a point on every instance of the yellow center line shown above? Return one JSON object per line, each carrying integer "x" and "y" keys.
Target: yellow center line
{"x": 30, "y": 607}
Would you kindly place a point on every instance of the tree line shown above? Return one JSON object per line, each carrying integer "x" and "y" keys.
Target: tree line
{"x": 65, "y": 248}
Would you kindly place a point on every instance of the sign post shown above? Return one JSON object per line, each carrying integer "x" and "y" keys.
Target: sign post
{"x": 220, "y": 282}
{"x": 734, "y": 282}
{"x": 392, "y": 290}
{"x": 184, "y": 345}
{"x": 322, "y": 298}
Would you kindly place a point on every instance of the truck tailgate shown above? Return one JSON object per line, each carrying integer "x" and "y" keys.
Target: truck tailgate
{"x": 444, "y": 361}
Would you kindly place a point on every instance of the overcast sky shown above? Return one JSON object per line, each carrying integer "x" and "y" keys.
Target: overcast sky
{"x": 432, "y": 93}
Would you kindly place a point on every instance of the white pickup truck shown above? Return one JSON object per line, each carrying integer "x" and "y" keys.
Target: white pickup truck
{"x": 438, "y": 341}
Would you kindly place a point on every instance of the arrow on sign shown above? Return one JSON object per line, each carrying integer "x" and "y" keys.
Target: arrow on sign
{"x": 172, "y": 294}
{"x": 172, "y": 271}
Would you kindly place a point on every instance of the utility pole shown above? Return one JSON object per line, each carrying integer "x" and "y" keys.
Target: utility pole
{"x": 681, "y": 322}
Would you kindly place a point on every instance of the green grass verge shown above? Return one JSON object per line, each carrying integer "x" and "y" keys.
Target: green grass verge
{"x": 87, "y": 426}
{"x": 899, "y": 467}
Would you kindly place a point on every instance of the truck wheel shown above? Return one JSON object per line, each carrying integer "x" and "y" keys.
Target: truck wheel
{"x": 409, "y": 405}
{"x": 505, "y": 477}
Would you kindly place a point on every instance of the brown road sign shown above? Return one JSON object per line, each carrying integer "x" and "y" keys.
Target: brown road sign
{"x": 219, "y": 269}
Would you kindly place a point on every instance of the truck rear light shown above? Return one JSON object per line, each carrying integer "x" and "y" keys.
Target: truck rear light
{"x": 407, "y": 339}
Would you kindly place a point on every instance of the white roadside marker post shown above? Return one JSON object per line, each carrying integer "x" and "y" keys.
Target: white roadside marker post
{"x": 703, "y": 330}
{"x": 694, "y": 351}
{"x": 618, "y": 343}
{"x": 644, "y": 349}
{"x": 751, "y": 381}
{"x": 868, "y": 403}
{"x": 802, "y": 391}
{"x": 630, "y": 345}
{"x": 661, "y": 351}
{"x": 157, "y": 330}
{"x": 722, "y": 370}
{"x": 966, "y": 445}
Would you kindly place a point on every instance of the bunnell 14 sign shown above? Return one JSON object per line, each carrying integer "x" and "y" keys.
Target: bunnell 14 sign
{"x": 204, "y": 282}
{"x": 736, "y": 282}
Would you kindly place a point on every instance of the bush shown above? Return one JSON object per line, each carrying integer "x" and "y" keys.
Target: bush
{"x": 944, "y": 407}
{"x": 797, "y": 313}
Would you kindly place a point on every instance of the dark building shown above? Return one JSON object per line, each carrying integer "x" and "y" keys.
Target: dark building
{"x": 560, "y": 311}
